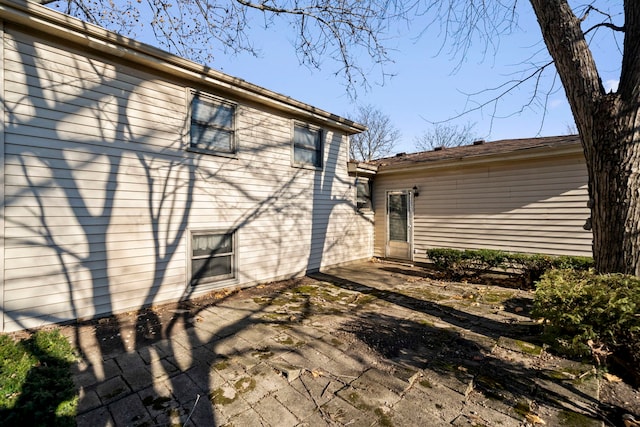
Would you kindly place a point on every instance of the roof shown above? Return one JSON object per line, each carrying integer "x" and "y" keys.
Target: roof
{"x": 97, "y": 39}
{"x": 479, "y": 150}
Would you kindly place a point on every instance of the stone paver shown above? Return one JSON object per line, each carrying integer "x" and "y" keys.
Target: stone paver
{"x": 360, "y": 345}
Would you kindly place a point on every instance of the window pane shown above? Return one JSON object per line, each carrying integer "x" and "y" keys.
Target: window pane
{"x": 207, "y": 268}
{"x": 305, "y": 156}
{"x": 220, "y": 115}
{"x": 398, "y": 217}
{"x": 209, "y": 138}
{"x": 307, "y": 146}
{"x": 212, "y": 125}
{"x": 211, "y": 244}
{"x": 306, "y": 137}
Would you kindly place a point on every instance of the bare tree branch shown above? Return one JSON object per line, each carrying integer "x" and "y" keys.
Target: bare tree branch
{"x": 351, "y": 33}
{"x": 446, "y": 135}
{"x": 378, "y": 140}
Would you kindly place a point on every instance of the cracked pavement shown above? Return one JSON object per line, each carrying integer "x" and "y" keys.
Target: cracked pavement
{"x": 366, "y": 344}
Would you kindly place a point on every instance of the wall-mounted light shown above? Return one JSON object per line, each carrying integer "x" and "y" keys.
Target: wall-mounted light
{"x": 416, "y": 193}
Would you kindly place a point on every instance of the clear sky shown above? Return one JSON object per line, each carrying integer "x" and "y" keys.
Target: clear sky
{"x": 425, "y": 87}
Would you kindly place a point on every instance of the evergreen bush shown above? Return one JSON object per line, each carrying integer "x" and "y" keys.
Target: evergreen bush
{"x": 592, "y": 314}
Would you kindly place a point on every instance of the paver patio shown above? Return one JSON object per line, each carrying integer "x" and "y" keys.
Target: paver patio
{"x": 365, "y": 344}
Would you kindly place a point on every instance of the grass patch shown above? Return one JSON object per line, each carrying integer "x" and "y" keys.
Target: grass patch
{"x": 36, "y": 386}
{"x": 223, "y": 396}
{"x": 383, "y": 417}
{"x": 286, "y": 340}
{"x": 262, "y": 354}
{"x": 305, "y": 289}
{"x": 357, "y": 402}
{"x": 495, "y": 297}
{"x": 425, "y": 383}
{"x": 573, "y": 419}
{"x": 244, "y": 385}
{"x": 522, "y": 408}
{"x": 221, "y": 365}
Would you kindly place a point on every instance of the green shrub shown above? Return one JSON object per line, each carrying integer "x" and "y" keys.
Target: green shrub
{"x": 445, "y": 258}
{"x": 528, "y": 267}
{"x": 590, "y": 313}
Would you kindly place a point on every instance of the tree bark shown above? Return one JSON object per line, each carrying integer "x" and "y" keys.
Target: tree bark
{"x": 609, "y": 126}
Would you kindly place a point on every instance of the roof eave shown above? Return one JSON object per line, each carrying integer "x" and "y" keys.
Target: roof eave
{"x": 529, "y": 153}
{"x": 43, "y": 19}
{"x": 355, "y": 168}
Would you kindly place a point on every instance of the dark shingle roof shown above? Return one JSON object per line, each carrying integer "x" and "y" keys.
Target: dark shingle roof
{"x": 484, "y": 149}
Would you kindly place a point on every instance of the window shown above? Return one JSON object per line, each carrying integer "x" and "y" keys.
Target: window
{"x": 307, "y": 146}
{"x": 212, "y": 127}
{"x": 212, "y": 256}
{"x": 363, "y": 194}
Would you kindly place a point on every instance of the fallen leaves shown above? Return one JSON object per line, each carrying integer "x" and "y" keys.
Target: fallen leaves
{"x": 534, "y": 419}
{"x": 612, "y": 378}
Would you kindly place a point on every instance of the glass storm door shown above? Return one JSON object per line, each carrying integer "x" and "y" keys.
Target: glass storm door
{"x": 399, "y": 223}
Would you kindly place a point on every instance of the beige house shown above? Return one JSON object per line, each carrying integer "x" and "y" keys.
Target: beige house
{"x": 523, "y": 195}
{"x": 133, "y": 177}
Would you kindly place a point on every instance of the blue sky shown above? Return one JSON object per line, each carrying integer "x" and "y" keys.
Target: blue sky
{"x": 425, "y": 87}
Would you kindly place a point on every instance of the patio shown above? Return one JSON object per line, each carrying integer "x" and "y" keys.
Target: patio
{"x": 371, "y": 343}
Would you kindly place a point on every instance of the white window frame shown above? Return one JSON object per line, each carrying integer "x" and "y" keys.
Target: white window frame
{"x": 319, "y": 149}
{"x": 208, "y": 98}
{"x": 215, "y": 281}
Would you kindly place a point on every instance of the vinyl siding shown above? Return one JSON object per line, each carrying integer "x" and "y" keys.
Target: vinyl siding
{"x": 533, "y": 206}
{"x": 101, "y": 193}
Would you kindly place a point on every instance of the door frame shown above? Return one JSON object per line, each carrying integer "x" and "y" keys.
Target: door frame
{"x": 410, "y": 212}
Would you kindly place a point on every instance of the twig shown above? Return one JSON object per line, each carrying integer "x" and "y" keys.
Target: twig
{"x": 192, "y": 409}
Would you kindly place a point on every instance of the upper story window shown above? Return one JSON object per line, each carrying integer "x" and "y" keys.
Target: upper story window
{"x": 212, "y": 128}
{"x": 307, "y": 146}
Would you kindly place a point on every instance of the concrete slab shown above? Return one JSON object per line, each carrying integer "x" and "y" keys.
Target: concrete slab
{"x": 112, "y": 389}
{"x": 130, "y": 411}
{"x": 318, "y": 388}
{"x": 96, "y": 417}
{"x": 274, "y": 412}
{"x": 248, "y": 418}
{"x": 301, "y": 406}
{"x": 368, "y": 344}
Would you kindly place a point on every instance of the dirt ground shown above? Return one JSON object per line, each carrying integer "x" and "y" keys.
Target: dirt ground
{"x": 616, "y": 396}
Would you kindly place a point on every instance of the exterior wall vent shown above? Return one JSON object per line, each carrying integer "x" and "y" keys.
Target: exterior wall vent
{"x": 401, "y": 154}
{"x": 478, "y": 142}
{"x": 440, "y": 148}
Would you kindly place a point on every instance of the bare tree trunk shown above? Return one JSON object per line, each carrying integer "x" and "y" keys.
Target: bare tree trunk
{"x": 609, "y": 125}
{"x": 613, "y": 161}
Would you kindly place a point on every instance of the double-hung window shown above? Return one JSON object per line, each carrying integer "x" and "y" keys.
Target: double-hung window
{"x": 212, "y": 128}
{"x": 213, "y": 256}
{"x": 307, "y": 146}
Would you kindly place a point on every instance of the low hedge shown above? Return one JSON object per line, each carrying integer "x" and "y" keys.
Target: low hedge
{"x": 592, "y": 314}
{"x": 528, "y": 267}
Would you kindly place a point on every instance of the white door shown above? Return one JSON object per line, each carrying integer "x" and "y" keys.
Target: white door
{"x": 399, "y": 225}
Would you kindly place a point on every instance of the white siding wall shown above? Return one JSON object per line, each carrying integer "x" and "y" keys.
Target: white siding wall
{"x": 100, "y": 191}
{"x": 534, "y": 206}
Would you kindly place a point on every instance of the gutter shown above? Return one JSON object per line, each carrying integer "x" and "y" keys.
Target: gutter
{"x": 522, "y": 154}
{"x": 33, "y": 15}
